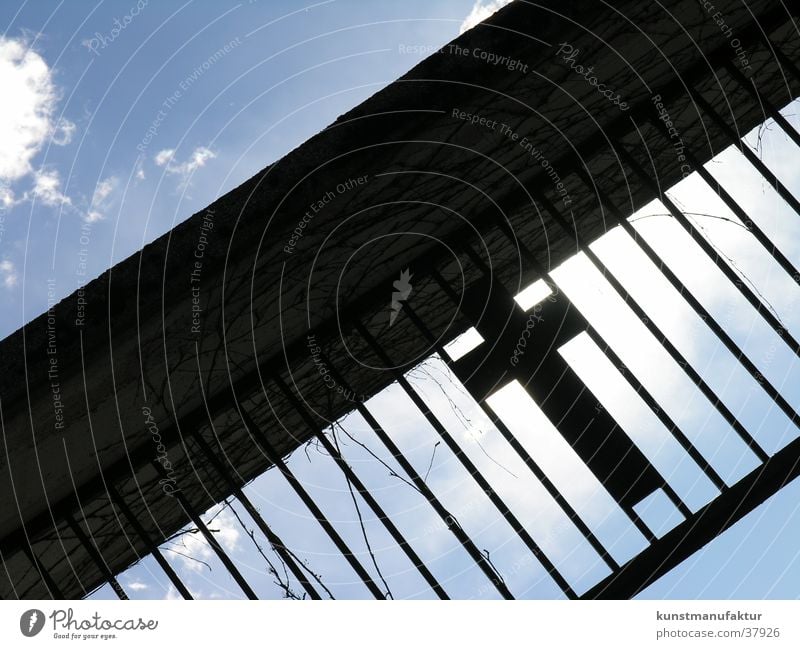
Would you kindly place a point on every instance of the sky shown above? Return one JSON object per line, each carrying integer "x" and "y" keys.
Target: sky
{"x": 127, "y": 118}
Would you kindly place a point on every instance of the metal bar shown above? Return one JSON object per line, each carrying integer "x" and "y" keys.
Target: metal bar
{"x": 495, "y": 499}
{"x": 523, "y": 454}
{"x": 96, "y": 556}
{"x": 209, "y": 537}
{"x": 784, "y": 60}
{"x": 676, "y": 500}
{"x": 693, "y": 302}
{"x": 752, "y": 158}
{"x": 748, "y": 223}
{"x": 627, "y": 508}
{"x": 273, "y": 456}
{"x": 690, "y": 372}
{"x": 776, "y": 16}
{"x": 637, "y": 386}
{"x": 662, "y": 415}
{"x": 151, "y": 546}
{"x": 52, "y": 587}
{"x": 422, "y": 487}
{"x": 272, "y": 537}
{"x": 765, "y": 103}
{"x": 712, "y": 254}
{"x": 707, "y": 524}
{"x": 776, "y": 254}
{"x": 362, "y": 490}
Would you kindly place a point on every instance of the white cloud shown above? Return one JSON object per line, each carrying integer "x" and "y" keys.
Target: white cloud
{"x": 8, "y": 272}
{"x": 100, "y": 201}
{"x": 7, "y": 196}
{"x": 172, "y": 594}
{"x": 199, "y": 157}
{"x": 26, "y": 114}
{"x": 481, "y": 11}
{"x": 47, "y": 188}
{"x": 137, "y": 586}
{"x": 103, "y": 190}
{"x": 164, "y": 156}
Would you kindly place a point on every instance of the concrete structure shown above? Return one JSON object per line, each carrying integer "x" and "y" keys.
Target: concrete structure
{"x": 498, "y": 137}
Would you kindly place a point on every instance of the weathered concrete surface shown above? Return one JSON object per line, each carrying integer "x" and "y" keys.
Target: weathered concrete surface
{"x": 425, "y": 171}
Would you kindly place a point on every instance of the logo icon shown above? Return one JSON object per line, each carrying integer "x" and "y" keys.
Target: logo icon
{"x": 31, "y": 622}
{"x": 402, "y": 289}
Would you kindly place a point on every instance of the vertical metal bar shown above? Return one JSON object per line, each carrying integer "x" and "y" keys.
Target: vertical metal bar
{"x": 752, "y": 158}
{"x": 534, "y": 468}
{"x": 422, "y": 487}
{"x": 729, "y": 201}
{"x": 275, "y": 458}
{"x": 662, "y": 415}
{"x": 209, "y": 537}
{"x": 627, "y": 508}
{"x": 690, "y": 372}
{"x": 495, "y": 499}
{"x": 148, "y": 541}
{"x": 96, "y": 557}
{"x": 784, "y": 60}
{"x": 712, "y": 254}
{"x": 707, "y": 524}
{"x": 687, "y": 295}
{"x": 52, "y": 587}
{"x": 765, "y": 103}
{"x": 637, "y": 386}
{"x": 272, "y": 537}
{"x": 362, "y": 490}
{"x": 748, "y": 223}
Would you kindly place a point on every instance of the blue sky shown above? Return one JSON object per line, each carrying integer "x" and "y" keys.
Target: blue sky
{"x": 117, "y": 98}
{"x": 131, "y": 119}
{"x": 755, "y": 559}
